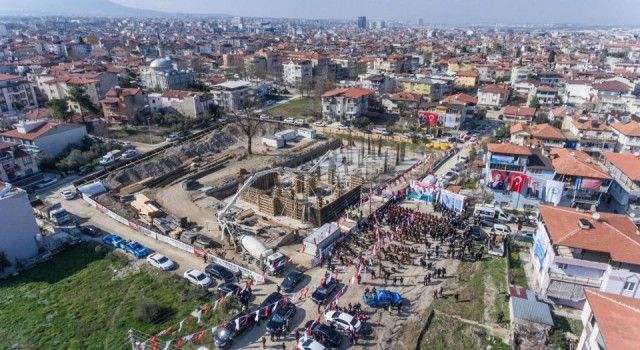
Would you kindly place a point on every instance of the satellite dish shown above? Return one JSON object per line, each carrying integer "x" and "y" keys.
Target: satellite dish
{"x": 595, "y": 216}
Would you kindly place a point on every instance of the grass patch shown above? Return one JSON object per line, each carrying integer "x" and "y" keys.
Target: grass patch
{"x": 517, "y": 274}
{"x": 74, "y": 302}
{"x": 471, "y": 184}
{"x": 563, "y": 325}
{"x": 299, "y": 107}
{"x": 138, "y": 134}
{"x": 449, "y": 333}
{"x": 471, "y": 288}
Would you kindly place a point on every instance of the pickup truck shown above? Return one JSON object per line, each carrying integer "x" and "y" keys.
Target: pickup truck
{"x": 55, "y": 212}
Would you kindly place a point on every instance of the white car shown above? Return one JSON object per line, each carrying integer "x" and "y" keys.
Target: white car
{"x": 47, "y": 181}
{"x": 68, "y": 195}
{"x": 343, "y": 127}
{"x": 299, "y": 122}
{"x": 289, "y": 120}
{"x": 197, "y": 277}
{"x": 306, "y": 343}
{"x": 319, "y": 123}
{"x": 160, "y": 261}
{"x": 128, "y": 154}
{"x": 342, "y": 320}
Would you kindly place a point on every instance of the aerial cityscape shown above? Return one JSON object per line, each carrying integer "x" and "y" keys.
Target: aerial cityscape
{"x": 312, "y": 175}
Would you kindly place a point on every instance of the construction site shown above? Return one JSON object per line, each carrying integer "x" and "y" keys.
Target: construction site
{"x": 208, "y": 192}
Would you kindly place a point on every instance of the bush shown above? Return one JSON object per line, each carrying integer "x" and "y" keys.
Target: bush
{"x": 150, "y": 311}
{"x": 100, "y": 250}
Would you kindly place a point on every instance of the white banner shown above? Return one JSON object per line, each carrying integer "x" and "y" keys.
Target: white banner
{"x": 553, "y": 191}
{"x": 180, "y": 245}
{"x": 452, "y": 201}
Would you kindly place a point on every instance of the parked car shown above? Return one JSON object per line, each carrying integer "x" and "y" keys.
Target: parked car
{"x": 343, "y": 127}
{"x": 264, "y": 117}
{"x": 289, "y": 120}
{"x": 279, "y": 318}
{"x": 91, "y": 231}
{"x": 84, "y": 170}
{"x": 128, "y": 154}
{"x": 172, "y": 138}
{"x": 321, "y": 294}
{"x": 223, "y": 336}
{"x": 188, "y": 237}
{"x": 203, "y": 241}
{"x": 47, "y": 181}
{"x": 324, "y": 334}
{"x": 68, "y": 195}
{"x": 309, "y": 344}
{"x": 291, "y": 280}
{"x": 220, "y": 272}
{"x": 136, "y": 249}
{"x": 112, "y": 240}
{"x": 319, "y": 123}
{"x": 299, "y": 122}
{"x": 342, "y": 321}
{"x": 198, "y": 278}
{"x": 227, "y": 288}
{"x": 160, "y": 261}
{"x": 272, "y": 298}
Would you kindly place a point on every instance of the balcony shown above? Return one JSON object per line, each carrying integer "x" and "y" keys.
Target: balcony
{"x": 559, "y": 275}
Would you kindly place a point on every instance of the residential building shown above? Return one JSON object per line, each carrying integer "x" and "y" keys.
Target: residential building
{"x": 232, "y": 95}
{"x": 94, "y": 84}
{"x": 381, "y": 83}
{"x": 504, "y": 163}
{"x": 124, "y": 105}
{"x": 544, "y": 135}
{"x": 608, "y": 96}
{"x": 585, "y": 181}
{"x": 609, "y": 321}
{"x": 574, "y": 251}
{"x": 546, "y": 95}
{"x": 589, "y": 135}
{"x": 402, "y": 103}
{"x": 424, "y": 86}
{"x": 577, "y": 92}
{"x": 344, "y": 104}
{"x": 187, "y": 103}
{"x": 163, "y": 74}
{"x": 298, "y": 73}
{"x": 16, "y": 95}
{"x": 515, "y": 114}
{"x": 493, "y": 95}
{"x": 466, "y": 79}
{"x": 16, "y": 162}
{"x": 628, "y": 135}
{"x": 50, "y": 137}
{"x": 624, "y": 191}
{"x": 519, "y": 74}
{"x": 19, "y": 230}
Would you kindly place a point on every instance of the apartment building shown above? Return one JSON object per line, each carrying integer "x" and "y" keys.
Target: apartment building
{"x": 16, "y": 162}
{"x": 628, "y": 134}
{"x": 16, "y": 95}
{"x": 50, "y": 137}
{"x": 345, "y": 104}
{"x": 123, "y": 105}
{"x": 298, "y": 73}
{"x": 624, "y": 191}
{"x": 589, "y": 135}
{"x": 545, "y": 135}
{"x": 574, "y": 251}
{"x": 517, "y": 114}
{"x": 609, "y": 321}
{"x": 19, "y": 230}
{"x": 493, "y": 95}
{"x": 427, "y": 87}
{"x": 187, "y": 103}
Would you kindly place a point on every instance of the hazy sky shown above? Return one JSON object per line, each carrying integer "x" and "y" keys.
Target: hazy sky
{"x": 432, "y": 11}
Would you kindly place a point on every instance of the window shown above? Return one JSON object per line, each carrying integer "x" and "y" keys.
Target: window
{"x": 562, "y": 266}
{"x": 629, "y": 286}
{"x": 592, "y": 321}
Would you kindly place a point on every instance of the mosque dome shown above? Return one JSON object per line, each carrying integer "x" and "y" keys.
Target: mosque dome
{"x": 161, "y": 64}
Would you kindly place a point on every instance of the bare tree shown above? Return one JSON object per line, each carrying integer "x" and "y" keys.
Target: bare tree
{"x": 248, "y": 125}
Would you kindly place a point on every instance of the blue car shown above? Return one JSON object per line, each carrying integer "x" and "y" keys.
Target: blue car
{"x": 112, "y": 240}
{"x": 382, "y": 298}
{"x": 136, "y": 249}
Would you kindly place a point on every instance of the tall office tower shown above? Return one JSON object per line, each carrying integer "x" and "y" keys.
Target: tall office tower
{"x": 362, "y": 22}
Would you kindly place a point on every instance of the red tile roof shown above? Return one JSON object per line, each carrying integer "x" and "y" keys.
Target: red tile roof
{"x": 35, "y": 133}
{"x": 576, "y": 163}
{"x": 631, "y": 128}
{"x": 588, "y": 124}
{"x": 406, "y": 96}
{"x": 612, "y": 86}
{"x": 526, "y": 112}
{"x": 627, "y": 163}
{"x": 5, "y": 77}
{"x": 614, "y": 234}
{"x": 348, "y": 92}
{"x": 508, "y": 148}
{"x": 618, "y": 319}
{"x": 493, "y": 89}
{"x": 461, "y": 98}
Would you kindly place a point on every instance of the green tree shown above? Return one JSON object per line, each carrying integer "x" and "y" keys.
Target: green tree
{"x": 125, "y": 82}
{"x": 535, "y": 103}
{"x": 79, "y": 96}
{"x": 541, "y": 118}
{"x": 59, "y": 109}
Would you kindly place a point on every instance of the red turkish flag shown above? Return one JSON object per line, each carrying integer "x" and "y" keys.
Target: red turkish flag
{"x": 518, "y": 182}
